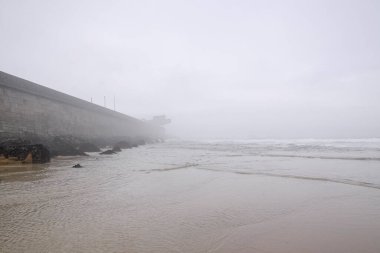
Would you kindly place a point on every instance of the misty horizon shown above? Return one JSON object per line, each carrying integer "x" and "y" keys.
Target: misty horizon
{"x": 229, "y": 69}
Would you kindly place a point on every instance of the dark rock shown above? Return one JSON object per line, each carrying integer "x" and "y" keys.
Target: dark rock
{"x": 108, "y": 152}
{"x": 2, "y": 150}
{"x": 124, "y": 144}
{"x": 131, "y": 143}
{"x": 36, "y": 153}
{"x": 40, "y": 154}
{"x": 63, "y": 146}
{"x": 137, "y": 142}
{"x": 77, "y": 166}
{"x": 116, "y": 149}
{"x": 8, "y": 148}
{"x": 88, "y": 147}
{"x": 19, "y": 152}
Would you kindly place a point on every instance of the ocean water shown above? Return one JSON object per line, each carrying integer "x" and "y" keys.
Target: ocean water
{"x": 199, "y": 196}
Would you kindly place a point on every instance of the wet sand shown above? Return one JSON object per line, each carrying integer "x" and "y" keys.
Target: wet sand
{"x": 132, "y": 203}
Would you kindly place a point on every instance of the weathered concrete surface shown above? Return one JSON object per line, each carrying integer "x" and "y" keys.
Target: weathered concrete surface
{"x": 29, "y": 108}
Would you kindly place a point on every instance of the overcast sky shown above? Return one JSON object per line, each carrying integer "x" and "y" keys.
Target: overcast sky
{"x": 218, "y": 69}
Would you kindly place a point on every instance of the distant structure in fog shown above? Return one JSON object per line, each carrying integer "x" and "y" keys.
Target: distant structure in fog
{"x": 159, "y": 120}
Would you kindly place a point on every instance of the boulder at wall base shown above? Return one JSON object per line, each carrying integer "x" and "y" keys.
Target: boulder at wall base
{"x": 108, "y": 152}
{"x": 88, "y": 147}
{"x": 111, "y": 151}
{"x": 18, "y": 152}
{"x": 116, "y": 149}
{"x": 132, "y": 143}
{"x": 40, "y": 154}
{"x": 124, "y": 144}
{"x": 36, "y": 153}
{"x": 60, "y": 146}
{"x": 7, "y": 146}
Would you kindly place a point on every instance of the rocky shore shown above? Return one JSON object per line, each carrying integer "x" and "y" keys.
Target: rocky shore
{"x": 36, "y": 149}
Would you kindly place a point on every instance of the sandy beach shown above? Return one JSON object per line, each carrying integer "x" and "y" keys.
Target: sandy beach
{"x": 189, "y": 197}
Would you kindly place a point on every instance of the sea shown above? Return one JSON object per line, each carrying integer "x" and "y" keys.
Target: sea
{"x": 288, "y": 195}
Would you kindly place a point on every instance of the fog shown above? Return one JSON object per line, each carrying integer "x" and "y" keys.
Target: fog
{"x": 218, "y": 69}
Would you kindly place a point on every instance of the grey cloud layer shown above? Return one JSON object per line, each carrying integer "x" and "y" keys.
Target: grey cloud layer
{"x": 217, "y": 68}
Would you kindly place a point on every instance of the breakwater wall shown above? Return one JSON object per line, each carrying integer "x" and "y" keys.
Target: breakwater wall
{"x": 29, "y": 108}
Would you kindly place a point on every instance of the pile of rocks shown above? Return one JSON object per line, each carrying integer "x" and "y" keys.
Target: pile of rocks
{"x": 37, "y": 149}
{"x": 21, "y": 150}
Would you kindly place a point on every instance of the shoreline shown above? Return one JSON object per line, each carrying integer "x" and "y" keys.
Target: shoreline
{"x": 37, "y": 149}
{"x": 204, "y": 199}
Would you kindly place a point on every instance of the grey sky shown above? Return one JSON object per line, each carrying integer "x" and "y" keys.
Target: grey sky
{"x": 217, "y": 68}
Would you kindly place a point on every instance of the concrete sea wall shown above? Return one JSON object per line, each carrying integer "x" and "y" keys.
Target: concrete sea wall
{"x": 29, "y": 108}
